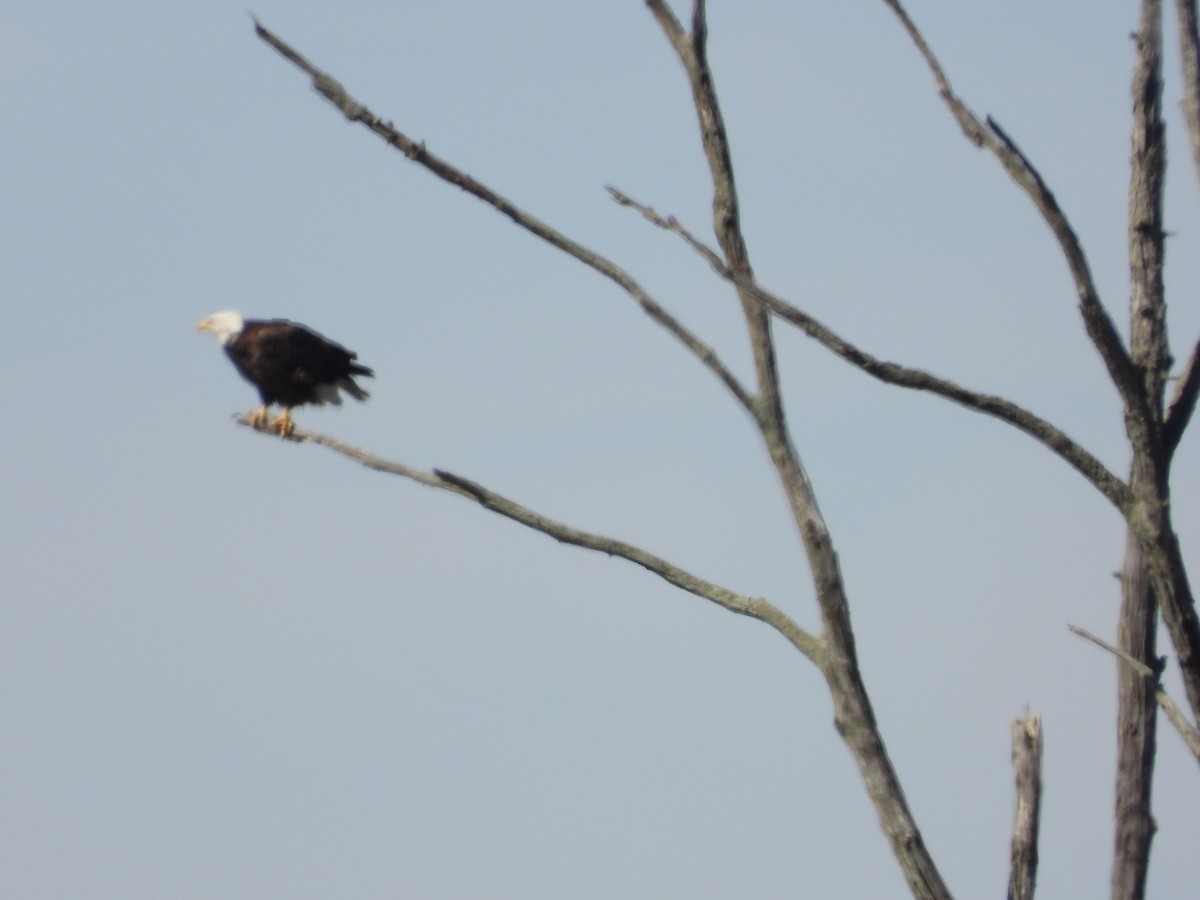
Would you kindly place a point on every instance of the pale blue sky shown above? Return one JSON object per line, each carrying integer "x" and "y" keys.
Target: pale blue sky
{"x": 231, "y": 667}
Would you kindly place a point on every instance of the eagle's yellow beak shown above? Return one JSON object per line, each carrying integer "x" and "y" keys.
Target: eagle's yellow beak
{"x": 205, "y": 325}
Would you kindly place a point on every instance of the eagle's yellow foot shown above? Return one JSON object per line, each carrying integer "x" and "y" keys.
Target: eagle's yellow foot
{"x": 259, "y": 417}
{"x": 283, "y": 426}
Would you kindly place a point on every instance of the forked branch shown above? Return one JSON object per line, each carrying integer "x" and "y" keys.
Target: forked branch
{"x": 1139, "y": 372}
{"x": 834, "y": 651}
{"x": 1096, "y": 319}
{"x": 692, "y": 50}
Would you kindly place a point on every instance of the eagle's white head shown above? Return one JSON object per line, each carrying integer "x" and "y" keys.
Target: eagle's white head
{"x": 226, "y": 325}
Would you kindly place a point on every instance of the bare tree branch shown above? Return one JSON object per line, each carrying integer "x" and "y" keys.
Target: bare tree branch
{"x": 1097, "y": 322}
{"x": 1183, "y": 403}
{"x": 1189, "y": 58}
{"x": 1177, "y": 717}
{"x": 333, "y": 91}
{"x": 892, "y": 373}
{"x": 1137, "y": 723}
{"x": 1027, "y": 761}
{"x": 1148, "y": 165}
{"x": 754, "y": 607}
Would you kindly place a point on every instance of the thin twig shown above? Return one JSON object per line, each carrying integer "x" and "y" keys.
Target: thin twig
{"x": 1137, "y": 665}
{"x": 1187, "y": 731}
{"x": 754, "y": 607}
{"x": 352, "y": 109}
{"x": 892, "y": 373}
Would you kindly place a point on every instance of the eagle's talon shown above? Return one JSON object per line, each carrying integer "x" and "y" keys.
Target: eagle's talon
{"x": 284, "y": 426}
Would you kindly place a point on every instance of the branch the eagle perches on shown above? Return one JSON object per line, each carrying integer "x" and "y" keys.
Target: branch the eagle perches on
{"x": 754, "y": 607}
{"x": 1153, "y": 434}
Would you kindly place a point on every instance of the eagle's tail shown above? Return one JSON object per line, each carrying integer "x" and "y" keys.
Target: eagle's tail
{"x": 350, "y": 387}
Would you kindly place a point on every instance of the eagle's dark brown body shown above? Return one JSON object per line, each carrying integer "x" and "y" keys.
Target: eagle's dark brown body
{"x": 291, "y": 365}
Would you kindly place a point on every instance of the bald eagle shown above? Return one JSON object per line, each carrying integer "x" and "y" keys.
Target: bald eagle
{"x": 289, "y": 364}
